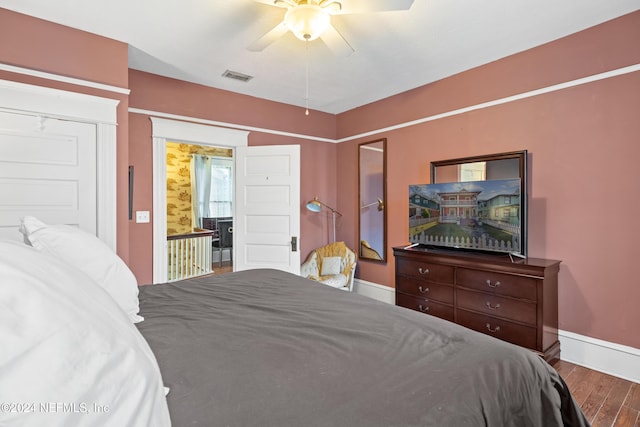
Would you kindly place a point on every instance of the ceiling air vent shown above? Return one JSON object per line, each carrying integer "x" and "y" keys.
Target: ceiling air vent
{"x": 236, "y": 76}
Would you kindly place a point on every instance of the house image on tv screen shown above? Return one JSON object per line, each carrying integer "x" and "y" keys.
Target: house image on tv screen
{"x": 481, "y": 215}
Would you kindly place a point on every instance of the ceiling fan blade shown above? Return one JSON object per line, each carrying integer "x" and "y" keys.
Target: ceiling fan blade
{"x": 335, "y": 42}
{"x": 366, "y": 6}
{"x": 271, "y": 36}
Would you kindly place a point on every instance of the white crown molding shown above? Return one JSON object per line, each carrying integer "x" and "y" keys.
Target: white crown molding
{"x": 524, "y": 95}
{"x": 63, "y": 79}
{"x": 488, "y": 104}
{"x": 611, "y": 358}
{"x": 159, "y": 114}
{"x": 517, "y": 97}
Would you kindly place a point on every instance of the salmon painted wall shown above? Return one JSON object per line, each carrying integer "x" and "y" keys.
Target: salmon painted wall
{"x": 39, "y": 45}
{"x": 582, "y": 142}
{"x": 273, "y": 124}
{"x": 583, "y": 152}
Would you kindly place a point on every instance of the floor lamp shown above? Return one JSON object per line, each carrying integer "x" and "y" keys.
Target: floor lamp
{"x": 378, "y": 202}
{"x": 316, "y": 205}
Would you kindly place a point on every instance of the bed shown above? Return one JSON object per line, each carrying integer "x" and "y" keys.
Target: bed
{"x": 268, "y": 348}
{"x": 84, "y": 346}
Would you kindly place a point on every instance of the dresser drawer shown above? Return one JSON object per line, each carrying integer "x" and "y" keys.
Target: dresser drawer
{"x": 498, "y": 283}
{"x": 425, "y": 270}
{"x": 514, "y": 333}
{"x": 425, "y": 305}
{"x": 490, "y": 294}
{"x": 494, "y": 305}
{"x": 420, "y": 288}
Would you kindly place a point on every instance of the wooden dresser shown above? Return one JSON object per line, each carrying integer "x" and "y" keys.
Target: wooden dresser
{"x": 514, "y": 301}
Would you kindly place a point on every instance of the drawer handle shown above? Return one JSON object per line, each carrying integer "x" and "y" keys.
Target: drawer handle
{"x": 423, "y": 290}
{"x": 421, "y": 271}
{"x": 492, "y": 285}
{"x": 423, "y": 309}
{"x": 495, "y": 330}
{"x": 492, "y": 307}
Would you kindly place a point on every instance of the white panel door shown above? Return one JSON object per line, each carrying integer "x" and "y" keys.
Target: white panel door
{"x": 267, "y": 208}
{"x": 47, "y": 170}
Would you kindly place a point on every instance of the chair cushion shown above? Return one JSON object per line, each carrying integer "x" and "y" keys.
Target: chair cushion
{"x": 335, "y": 281}
{"x": 330, "y": 266}
{"x": 338, "y": 249}
{"x": 317, "y": 268}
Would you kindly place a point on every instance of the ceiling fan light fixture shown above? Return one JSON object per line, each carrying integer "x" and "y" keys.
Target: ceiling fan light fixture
{"x": 307, "y": 21}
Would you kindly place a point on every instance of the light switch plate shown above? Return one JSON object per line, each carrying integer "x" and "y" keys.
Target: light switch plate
{"x": 142, "y": 216}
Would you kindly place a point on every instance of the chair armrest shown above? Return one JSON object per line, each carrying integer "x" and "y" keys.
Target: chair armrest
{"x": 351, "y": 277}
{"x": 310, "y": 266}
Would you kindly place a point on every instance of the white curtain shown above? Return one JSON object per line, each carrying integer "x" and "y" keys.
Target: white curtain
{"x": 221, "y": 201}
{"x": 200, "y": 188}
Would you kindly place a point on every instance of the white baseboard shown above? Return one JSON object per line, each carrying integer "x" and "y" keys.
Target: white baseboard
{"x": 375, "y": 291}
{"x": 611, "y": 358}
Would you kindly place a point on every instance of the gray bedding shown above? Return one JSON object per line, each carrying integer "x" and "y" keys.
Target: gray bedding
{"x": 267, "y": 348}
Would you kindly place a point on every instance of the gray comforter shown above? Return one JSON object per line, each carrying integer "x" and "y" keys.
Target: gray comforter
{"x": 267, "y": 348}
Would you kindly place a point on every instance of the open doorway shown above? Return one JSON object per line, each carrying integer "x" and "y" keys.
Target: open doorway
{"x": 199, "y": 198}
{"x": 164, "y": 130}
{"x": 267, "y": 228}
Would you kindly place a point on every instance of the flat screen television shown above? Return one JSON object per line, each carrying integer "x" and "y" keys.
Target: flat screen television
{"x": 484, "y": 216}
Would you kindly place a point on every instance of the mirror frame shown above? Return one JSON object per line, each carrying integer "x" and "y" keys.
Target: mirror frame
{"x": 361, "y": 203}
{"x": 520, "y": 156}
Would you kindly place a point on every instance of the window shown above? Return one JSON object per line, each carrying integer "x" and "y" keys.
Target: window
{"x": 473, "y": 171}
{"x": 221, "y": 198}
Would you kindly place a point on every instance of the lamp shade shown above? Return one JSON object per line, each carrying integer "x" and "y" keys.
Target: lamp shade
{"x": 307, "y": 21}
{"x": 314, "y": 205}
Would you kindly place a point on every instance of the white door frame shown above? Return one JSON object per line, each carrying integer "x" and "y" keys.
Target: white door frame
{"x": 179, "y": 131}
{"x": 23, "y": 98}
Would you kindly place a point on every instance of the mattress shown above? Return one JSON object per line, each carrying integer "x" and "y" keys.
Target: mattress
{"x": 269, "y": 348}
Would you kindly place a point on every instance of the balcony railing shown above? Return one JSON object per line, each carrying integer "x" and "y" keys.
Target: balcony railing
{"x": 446, "y": 203}
{"x": 189, "y": 255}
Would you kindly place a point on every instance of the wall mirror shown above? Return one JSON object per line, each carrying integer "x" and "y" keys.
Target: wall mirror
{"x": 372, "y": 195}
{"x": 484, "y": 168}
{"x": 481, "y": 168}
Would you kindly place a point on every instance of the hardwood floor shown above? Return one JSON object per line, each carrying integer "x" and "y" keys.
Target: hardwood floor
{"x": 226, "y": 267}
{"x": 607, "y": 401}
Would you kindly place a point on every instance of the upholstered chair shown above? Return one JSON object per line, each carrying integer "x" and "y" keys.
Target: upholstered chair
{"x": 333, "y": 265}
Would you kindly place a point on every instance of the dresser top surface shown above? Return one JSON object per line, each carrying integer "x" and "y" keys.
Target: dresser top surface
{"x": 462, "y": 257}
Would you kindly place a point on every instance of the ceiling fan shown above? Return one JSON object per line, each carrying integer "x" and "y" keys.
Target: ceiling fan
{"x": 311, "y": 19}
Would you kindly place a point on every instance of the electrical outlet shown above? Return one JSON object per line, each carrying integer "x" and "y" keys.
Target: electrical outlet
{"x": 142, "y": 216}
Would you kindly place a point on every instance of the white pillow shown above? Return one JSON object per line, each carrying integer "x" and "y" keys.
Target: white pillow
{"x": 330, "y": 266}
{"x": 89, "y": 254}
{"x": 69, "y": 356}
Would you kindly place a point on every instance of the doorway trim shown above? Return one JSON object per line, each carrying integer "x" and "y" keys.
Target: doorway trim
{"x": 189, "y": 133}
{"x": 43, "y": 101}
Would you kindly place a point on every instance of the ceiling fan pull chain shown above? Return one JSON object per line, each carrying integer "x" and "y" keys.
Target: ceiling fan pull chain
{"x": 306, "y": 95}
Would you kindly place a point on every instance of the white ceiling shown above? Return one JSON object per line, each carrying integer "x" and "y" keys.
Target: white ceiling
{"x": 197, "y": 40}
